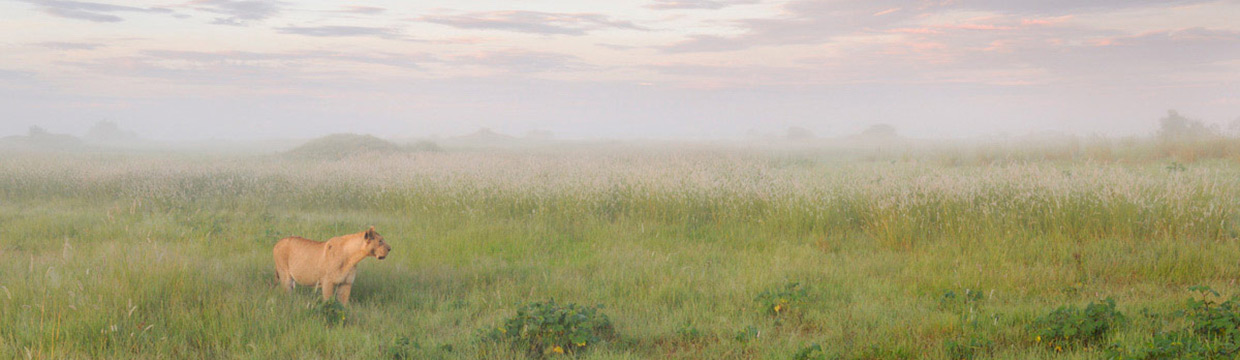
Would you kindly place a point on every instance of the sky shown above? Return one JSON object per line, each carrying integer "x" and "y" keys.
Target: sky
{"x": 665, "y": 69}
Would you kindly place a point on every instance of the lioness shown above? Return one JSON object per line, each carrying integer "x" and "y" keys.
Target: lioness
{"x": 331, "y": 264}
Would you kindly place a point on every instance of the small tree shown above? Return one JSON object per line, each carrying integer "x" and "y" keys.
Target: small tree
{"x": 1175, "y": 127}
{"x": 109, "y": 132}
{"x": 879, "y": 131}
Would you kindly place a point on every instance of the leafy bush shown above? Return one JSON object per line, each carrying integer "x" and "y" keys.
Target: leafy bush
{"x": 331, "y": 311}
{"x": 1069, "y": 325}
{"x": 543, "y": 328}
{"x": 1211, "y": 319}
{"x": 1211, "y": 330}
{"x": 781, "y": 300}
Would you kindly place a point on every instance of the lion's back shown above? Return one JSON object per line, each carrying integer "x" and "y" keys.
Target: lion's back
{"x": 295, "y": 246}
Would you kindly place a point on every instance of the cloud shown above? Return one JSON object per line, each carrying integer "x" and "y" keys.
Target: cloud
{"x": 708, "y": 43}
{"x": 1155, "y": 55}
{"x": 803, "y": 22}
{"x": 822, "y": 22}
{"x": 239, "y": 12}
{"x": 340, "y": 31}
{"x": 294, "y": 59}
{"x": 697, "y": 4}
{"x": 534, "y": 22}
{"x": 364, "y": 10}
{"x": 61, "y": 45}
{"x": 523, "y": 62}
{"x": 1060, "y": 7}
{"x": 89, "y": 11}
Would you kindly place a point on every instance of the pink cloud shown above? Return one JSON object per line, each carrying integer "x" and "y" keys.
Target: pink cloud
{"x": 1045, "y": 21}
{"x": 913, "y": 31}
{"x": 888, "y": 11}
{"x": 999, "y": 46}
{"x": 975, "y": 27}
{"x": 1102, "y": 42}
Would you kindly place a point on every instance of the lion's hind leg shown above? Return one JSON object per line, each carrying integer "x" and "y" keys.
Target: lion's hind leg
{"x": 284, "y": 280}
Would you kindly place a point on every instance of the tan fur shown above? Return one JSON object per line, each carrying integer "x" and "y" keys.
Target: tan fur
{"x": 330, "y": 264}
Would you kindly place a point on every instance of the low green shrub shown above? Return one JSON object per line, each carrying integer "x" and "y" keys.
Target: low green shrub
{"x": 544, "y": 328}
{"x": 781, "y": 300}
{"x": 1210, "y": 330}
{"x": 1069, "y": 325}
{"x": 331, "y": 311}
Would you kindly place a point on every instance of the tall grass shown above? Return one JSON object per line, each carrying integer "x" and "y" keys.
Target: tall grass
{"x": 119, "y": 256}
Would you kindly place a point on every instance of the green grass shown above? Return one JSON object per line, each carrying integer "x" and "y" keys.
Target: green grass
{"x": 168, "y": 256}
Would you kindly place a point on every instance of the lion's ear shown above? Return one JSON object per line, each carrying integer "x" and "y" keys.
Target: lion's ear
{"x": 370, "y": 234}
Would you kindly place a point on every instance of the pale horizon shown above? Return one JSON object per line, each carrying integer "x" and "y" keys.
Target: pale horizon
{"x": 655, "y": 69}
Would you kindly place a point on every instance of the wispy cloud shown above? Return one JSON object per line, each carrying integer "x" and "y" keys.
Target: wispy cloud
{"x": 340, "y": 31}
{"x": 364, "y": 10}
{"x": 410, "y": 61}
{"x": 819, "y": 22}
{"x": 534, "y": 22}
{"x": 64, "y": 45}
{"x": 239, "y": 12}
{"x": 89, "y": 11}
{"x": 697, "y": 4}
{"x": 1063, "y": 7}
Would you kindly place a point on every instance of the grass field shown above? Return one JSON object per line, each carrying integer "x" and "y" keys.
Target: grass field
{"x": 169, "y": 255}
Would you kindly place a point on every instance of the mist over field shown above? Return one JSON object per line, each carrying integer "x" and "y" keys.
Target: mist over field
{"x": 634, "y": 179}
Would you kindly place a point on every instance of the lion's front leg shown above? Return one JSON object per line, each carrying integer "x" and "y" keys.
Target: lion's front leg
{"x": 329, "y": 289}
{"x": 344, "y": 291}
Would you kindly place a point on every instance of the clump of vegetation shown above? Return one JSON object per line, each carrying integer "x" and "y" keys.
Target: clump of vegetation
{"x": 546, "y": 328}
{"x": 968, "y": 347}
{"x": 953, "y": 301}
{"x": 403, "y": 348}
{"x": 814, "y": 352}
{"x": 689, "y": 332}
{"x": 782, "y": 300}
{"x": 331, "y": 311}
{"x": 1210, "y": 330}
{"x": 1070, "y": 325}
{"x": 748, "y": 333}
{"x": 971, "y": 342}
{"x": 340, "y": 146}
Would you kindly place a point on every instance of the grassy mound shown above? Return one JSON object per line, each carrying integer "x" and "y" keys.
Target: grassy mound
{"x": 340, "y": 146}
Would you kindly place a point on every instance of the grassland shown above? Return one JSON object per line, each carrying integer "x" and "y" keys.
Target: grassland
{"x": 168, "y": 255}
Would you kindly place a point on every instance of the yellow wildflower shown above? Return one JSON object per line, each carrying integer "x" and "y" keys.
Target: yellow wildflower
{"x": 581, "y": 344}
{"x": 1038, "y": 339}
{"x": 779, "y": 307}
{"x": 1058, "y": 349}
{"x": 557, "y": 349}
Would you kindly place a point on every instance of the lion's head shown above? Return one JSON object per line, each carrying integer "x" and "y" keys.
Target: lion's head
{"x": 375, "y": 244}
